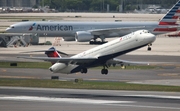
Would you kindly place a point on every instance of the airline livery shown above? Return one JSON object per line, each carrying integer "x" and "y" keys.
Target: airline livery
{"x": 90, "y": 31}
{"x": 103, "y": 55}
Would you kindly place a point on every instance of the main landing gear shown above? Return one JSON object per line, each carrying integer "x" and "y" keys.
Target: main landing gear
{"x": 84, "y": 70}
{"x": 98, "y": 42}
{"x": 104, "y": 71}
{"x": 149, "y": 47}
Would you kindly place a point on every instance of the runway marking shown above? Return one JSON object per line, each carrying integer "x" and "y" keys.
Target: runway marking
{"x": 143, "y": 106}
{"x": 69, "y": 100}
{"x": 3, "y": 70}
{"x": 156, "y": 96}
{"x": 22, "y": 77}
{"x": 169, "y": 74}
{"x": 82, "y": 101}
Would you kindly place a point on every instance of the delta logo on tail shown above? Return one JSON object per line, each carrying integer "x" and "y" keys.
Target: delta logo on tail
{"x": 52, "y": 52}
{"x": 170, "y": 19}
{"x": 32, "y": 26}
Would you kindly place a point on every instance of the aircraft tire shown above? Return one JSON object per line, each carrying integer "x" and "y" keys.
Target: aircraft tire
{"x": 84, "y": 70}
{"x": 97, "y": 42}
{"x": 149, "y": 49}
{"x": 106, "y": 71}
{"x": 102, "y": 71}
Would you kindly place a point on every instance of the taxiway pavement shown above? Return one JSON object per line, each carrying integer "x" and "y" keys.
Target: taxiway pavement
{"x": 29, "y": 99}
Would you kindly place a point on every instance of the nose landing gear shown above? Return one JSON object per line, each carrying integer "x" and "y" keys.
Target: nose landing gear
{"x": 149, "y": 47}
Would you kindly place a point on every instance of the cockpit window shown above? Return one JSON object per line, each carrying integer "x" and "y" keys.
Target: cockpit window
{"x": 145, "y": 31}
{"x": 12, "y": 26}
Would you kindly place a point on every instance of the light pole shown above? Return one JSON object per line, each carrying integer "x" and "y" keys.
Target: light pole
{"x": 42, "y": 3}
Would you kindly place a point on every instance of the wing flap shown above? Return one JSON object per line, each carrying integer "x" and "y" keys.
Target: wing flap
{"x": 124, "y": 62}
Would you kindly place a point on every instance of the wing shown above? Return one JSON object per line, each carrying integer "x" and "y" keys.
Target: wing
{"x": 124, "y": 62}
{"x": 112, "y": 30}
{"x": 66, "y": 60}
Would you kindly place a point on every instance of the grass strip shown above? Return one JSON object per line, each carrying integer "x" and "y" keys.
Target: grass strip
{"x": 86, "y": 85}
{"x": 43, "y": 65}
{"x": 46, "y": 65}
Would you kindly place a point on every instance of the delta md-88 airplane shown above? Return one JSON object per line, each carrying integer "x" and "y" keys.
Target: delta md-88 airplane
{"x": 103, "y": 55}
{"x": 87, "y": 31}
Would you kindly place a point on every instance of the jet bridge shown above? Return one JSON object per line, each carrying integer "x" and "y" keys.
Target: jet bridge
{"x": 2, "y": 42}
{"x": 18, "y": 39}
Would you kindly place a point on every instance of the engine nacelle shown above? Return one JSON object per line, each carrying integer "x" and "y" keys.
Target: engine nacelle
{"x": 68, "y": 39}
{"x": 83, "y": 36}
{"x": 57, "y": 67}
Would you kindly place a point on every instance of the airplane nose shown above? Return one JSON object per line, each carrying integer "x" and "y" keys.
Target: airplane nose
{"x": 8, "y": 29}
{"x": 151, "y": 37}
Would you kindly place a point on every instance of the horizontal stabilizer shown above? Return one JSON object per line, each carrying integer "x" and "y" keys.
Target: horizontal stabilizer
{"x": 50, "y": 50}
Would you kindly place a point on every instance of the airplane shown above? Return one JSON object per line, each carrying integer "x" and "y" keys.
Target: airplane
{"x": 91, "y": 31}
{"x": 102, "y": 55}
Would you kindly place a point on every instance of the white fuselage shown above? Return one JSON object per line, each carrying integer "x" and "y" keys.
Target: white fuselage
{"x": 69, "y": 29}
{"x": 109, "y": 50}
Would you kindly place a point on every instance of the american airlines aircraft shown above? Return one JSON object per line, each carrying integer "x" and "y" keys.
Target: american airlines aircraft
{"x": 103, "y": 55}
{"x": 87, "y": 31}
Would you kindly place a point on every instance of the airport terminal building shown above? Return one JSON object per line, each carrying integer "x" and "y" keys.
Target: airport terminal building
{"x": 19, "y": 3}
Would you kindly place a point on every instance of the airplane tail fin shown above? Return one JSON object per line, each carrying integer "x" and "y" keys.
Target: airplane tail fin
{"x": 171, "y": 16}
{"x": 170, "y": 19}
{"x": 52, "y": 52}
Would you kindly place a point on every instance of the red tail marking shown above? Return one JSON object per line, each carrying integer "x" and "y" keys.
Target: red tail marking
{"x": 175, "y": 17}
{"x": 53, "y": 54}
{"x": 178, "y": 11}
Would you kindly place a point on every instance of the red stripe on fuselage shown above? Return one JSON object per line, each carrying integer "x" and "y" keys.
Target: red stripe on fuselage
{"x": 167, "y": 23}
{"x": 166, "y": 29}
